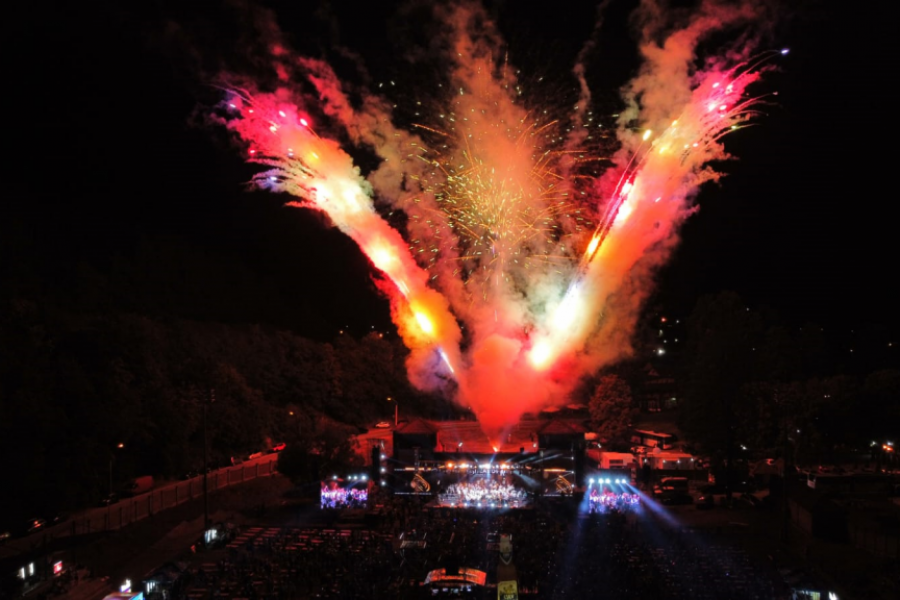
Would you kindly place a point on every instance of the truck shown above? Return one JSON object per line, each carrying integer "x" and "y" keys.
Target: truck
{"x": 137, "y": 486}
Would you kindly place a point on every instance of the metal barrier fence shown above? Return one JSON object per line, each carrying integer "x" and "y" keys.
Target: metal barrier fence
{"x": 881, "y": 543}
{"x": 131, "y": 510}
{"x": 134, "y": 509}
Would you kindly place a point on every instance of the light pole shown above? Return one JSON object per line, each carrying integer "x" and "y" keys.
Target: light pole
{"x": 292, "y": 414}
{"x": 112, "y": 458}
{"x": 396, "y": 411}
{"x": 212, "y": 398}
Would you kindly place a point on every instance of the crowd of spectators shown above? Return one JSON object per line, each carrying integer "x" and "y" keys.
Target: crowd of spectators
{"x": 559, "y": 551}
{"x": 287, "y": 563}
{"x": 343, "y": 498}
{"x": 602, "y": 501}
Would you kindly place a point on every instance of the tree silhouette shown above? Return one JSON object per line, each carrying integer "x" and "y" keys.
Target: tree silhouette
{"x": 611, "y": 409}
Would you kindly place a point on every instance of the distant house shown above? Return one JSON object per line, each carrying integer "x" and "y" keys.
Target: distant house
{"x": 656, "y": 390}
{"x": 670, "y": 460}
{"x": 614, "y": 460}
{"x": 653, "y": 439}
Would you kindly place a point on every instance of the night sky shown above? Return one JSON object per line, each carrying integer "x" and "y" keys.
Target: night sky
{"x": 111, "y": 155}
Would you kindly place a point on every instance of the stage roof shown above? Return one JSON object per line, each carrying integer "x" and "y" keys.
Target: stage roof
{"x": 560, "y": 427}
{"x": 465, "y": 577}
{"x": 417, "y": 427}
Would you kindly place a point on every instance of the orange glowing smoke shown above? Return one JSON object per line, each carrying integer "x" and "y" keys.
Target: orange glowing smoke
{"x": 507, "y": 235}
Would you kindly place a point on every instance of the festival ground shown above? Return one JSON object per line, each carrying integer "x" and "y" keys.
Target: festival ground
{"x": 294, "y": 549}
{"x": 559, "y": 551}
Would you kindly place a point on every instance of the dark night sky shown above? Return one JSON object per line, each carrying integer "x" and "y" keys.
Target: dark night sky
{"x": 108, "y": 155}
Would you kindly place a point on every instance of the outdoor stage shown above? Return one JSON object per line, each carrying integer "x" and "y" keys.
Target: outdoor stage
{"x": 485, "y": 491}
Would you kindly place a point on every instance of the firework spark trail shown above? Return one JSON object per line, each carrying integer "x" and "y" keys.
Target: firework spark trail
{"x": 546, "y": 281}
{"x": 319, "y": 172}
{"x": 652, "y": 192}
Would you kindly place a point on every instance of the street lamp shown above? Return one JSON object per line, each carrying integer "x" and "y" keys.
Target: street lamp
{"x": 211, "y": 398}
{"x": 396, "y": 412}
{"x": 112, "y": 459}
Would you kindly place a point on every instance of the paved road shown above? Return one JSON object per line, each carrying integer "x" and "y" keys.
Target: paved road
{"x": 129, "y": 510}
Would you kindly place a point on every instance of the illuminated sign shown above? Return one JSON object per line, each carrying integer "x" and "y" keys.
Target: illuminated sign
{"x": 57, "y": 567}
{"x": 507, "y": 590}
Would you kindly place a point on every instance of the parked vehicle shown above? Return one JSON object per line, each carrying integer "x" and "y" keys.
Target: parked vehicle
{"x": 750, "y": 500}
{"x": 108, "y": 500}
{"x": 672, "y": 490}
{"x": 706, "y": 502}
{"x": 35, "y": 525}
{"x": 191, "y": 474}
{"x": 738, "y": 487}
{"x": 137, "y": 486}
{"x": 55, "y": 518}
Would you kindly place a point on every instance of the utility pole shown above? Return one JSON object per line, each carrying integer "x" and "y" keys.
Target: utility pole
{"x": 212, "y": 398}
{"x": 396, "y": 411}
{"x": 112, "y": 460}
{"x": 785, "y": 507}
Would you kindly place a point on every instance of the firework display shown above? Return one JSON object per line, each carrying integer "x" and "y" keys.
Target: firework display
{"x": 523, "y": 255}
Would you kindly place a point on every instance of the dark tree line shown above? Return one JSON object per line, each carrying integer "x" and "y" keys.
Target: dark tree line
{"x": 75, "y": 384}
{"x": 750, "y": 382}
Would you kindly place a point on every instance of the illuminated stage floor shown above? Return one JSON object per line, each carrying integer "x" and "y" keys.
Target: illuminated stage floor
{"x": 443, "y": 502}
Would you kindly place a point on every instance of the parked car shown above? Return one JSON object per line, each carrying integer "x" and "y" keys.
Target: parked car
{"x": 738, "y": 487}
{"x": 137, "y": 486}
{"x": 57, "y": 518}
{"x": 36, "y": 525}
{"x": 108, "y": 500}
{"x": 672, "y": 490}
{"x": 706, "y": 502}
{"x": 750, "y": 500}
{"x": 676, "y": 498}
{"x": 190, "y": 474}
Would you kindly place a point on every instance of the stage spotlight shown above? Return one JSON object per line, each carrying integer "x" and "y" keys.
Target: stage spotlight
{"x": 592, "y": 481}
{"x": 607, "y": 480}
